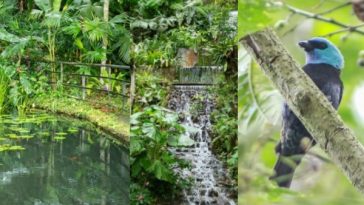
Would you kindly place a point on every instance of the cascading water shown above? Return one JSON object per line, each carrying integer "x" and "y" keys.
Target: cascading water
{"x": 198, "y": 75}
{"x": 209, "y": 176}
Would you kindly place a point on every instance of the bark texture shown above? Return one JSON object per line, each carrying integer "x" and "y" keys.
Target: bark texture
{"x": 309, "y": 104}
{"x": 104, "y": 71}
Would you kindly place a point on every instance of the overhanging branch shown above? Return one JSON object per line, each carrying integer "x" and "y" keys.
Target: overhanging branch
{"x": 354, "y": 29}
{"x": 309, "y": 104}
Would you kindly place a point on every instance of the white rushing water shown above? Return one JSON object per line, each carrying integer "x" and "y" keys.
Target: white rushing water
{"x": 209, "y": 176}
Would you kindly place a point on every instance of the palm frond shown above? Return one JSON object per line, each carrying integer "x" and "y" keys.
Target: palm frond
{"x": 95, "y": 29}
{"x": 52, "y": 19}
{"x": 73, "y": 29}
{"x": 36, "y": 14}
{"x": 14, "y": 49}
{"x": 8, "y": 37}
{"x": 89, "y": 11}
{"x": 5, "y": 9}
{"x": 121, "y": 18}
{"x": 44, "y": 5}
{"x": 121, "y": 41}
{"x": 95, "y": 55}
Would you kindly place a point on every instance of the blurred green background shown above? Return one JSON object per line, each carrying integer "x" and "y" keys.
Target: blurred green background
{"x": 317, "y": 181}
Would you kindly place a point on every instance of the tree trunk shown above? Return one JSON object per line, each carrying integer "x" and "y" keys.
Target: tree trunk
{"x": 231, "y": 72}
{"x": 21, "y": 5}
{"x": 132, "y": 86}
{"x": 56, "y": 5}
{"x": 105, "y": 71}
{"x": 309, "y": 104}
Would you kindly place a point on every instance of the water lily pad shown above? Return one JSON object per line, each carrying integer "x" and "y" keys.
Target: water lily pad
{"x": 8, "y": 147}
{"x": 58, "y": 138}
{"x": 43, "y": 134}
{"x": 26, "y": 137}
{"x": 72, "y": 130}
{"x": 24, "y": 131}
{"x": 12, "y": 136}
{"x": 19, "y": 129}
{"x": 20, "y": 137}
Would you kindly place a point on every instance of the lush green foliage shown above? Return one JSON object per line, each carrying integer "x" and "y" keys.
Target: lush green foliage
{"x": 152, "y": 131}
{"x": 4, "y": 86}
{"x": 18, "y": 85}
{"x": 152, "y": 89}
{"x": 71, "y": 30}
{"x": 44, "y": 30}
{"x": 253, "y": 15}
{"x": 224, "y": 125}
{"x": 180, "y": 24}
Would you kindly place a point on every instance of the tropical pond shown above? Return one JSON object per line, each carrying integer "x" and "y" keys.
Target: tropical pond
{"x": 46, "y": 159}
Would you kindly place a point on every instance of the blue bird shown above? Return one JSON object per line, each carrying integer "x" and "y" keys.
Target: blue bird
{"x": 324, "y": 63}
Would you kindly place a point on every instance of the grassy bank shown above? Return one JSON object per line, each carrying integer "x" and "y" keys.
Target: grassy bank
{"x": 114, "y": 123}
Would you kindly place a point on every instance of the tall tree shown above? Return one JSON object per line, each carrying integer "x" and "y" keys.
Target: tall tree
{"x": 105, "y": 71}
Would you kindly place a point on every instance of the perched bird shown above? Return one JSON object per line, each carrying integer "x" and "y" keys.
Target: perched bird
{"x": 324, "y": 63}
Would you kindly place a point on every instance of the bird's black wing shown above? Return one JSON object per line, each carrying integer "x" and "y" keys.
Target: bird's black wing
{"x": 327, "y": 79}
{"x": 333, "y": 91}
{"x": 341, "y": 91}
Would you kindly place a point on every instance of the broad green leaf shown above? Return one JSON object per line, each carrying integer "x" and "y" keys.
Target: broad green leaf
{"x": 44, "y": 5}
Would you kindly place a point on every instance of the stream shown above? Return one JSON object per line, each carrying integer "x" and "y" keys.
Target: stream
{"x": 46, "y": 159}
{"x": 195, "y": 105}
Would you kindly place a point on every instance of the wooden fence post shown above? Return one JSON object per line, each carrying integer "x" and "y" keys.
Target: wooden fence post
{"x": 61, "y": 78}
{"x": 123, "y": 93}
{"x": 83, "y": 87}
{"x": 132, "y": 84}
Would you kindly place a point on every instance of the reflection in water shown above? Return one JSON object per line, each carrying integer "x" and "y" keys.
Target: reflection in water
{"x": 64, "y": 162}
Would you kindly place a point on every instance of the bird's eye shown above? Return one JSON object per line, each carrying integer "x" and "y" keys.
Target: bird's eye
{"x": 321, "y": 45}
{"x": 318, "y": 45}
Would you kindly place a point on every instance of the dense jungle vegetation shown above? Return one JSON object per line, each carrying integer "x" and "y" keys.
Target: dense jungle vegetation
{"x": 49, "y": 158}
{"x": 159, "y": 29}
{"x": 36, "y": 34}
{"x": 318, "y": 180}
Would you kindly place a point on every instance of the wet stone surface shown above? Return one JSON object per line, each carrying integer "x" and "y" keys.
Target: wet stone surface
{"x": 208, "y": 173}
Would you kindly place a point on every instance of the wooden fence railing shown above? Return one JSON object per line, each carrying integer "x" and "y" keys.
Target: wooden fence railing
{"x": 67, "y": 70}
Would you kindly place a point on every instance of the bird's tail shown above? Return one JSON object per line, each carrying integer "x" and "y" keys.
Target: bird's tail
{"x": 284, "y": 169}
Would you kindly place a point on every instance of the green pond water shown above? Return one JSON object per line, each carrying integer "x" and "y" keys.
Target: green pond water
{"x": 54, "y": 160}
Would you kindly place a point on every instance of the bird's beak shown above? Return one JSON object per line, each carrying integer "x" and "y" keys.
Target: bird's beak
{"x": 306, "y": 45}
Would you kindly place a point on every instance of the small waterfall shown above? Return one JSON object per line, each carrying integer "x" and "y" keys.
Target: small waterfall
{"x": 200, "y": 75}
{"x": 194, "y": 104}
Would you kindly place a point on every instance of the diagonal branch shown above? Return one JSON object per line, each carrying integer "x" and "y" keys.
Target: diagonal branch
{"x": 350, "y": 29}
{"x": 324, "y": 19}
{"x": 309, "y": 104}
{"x": 335, "y": 8}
